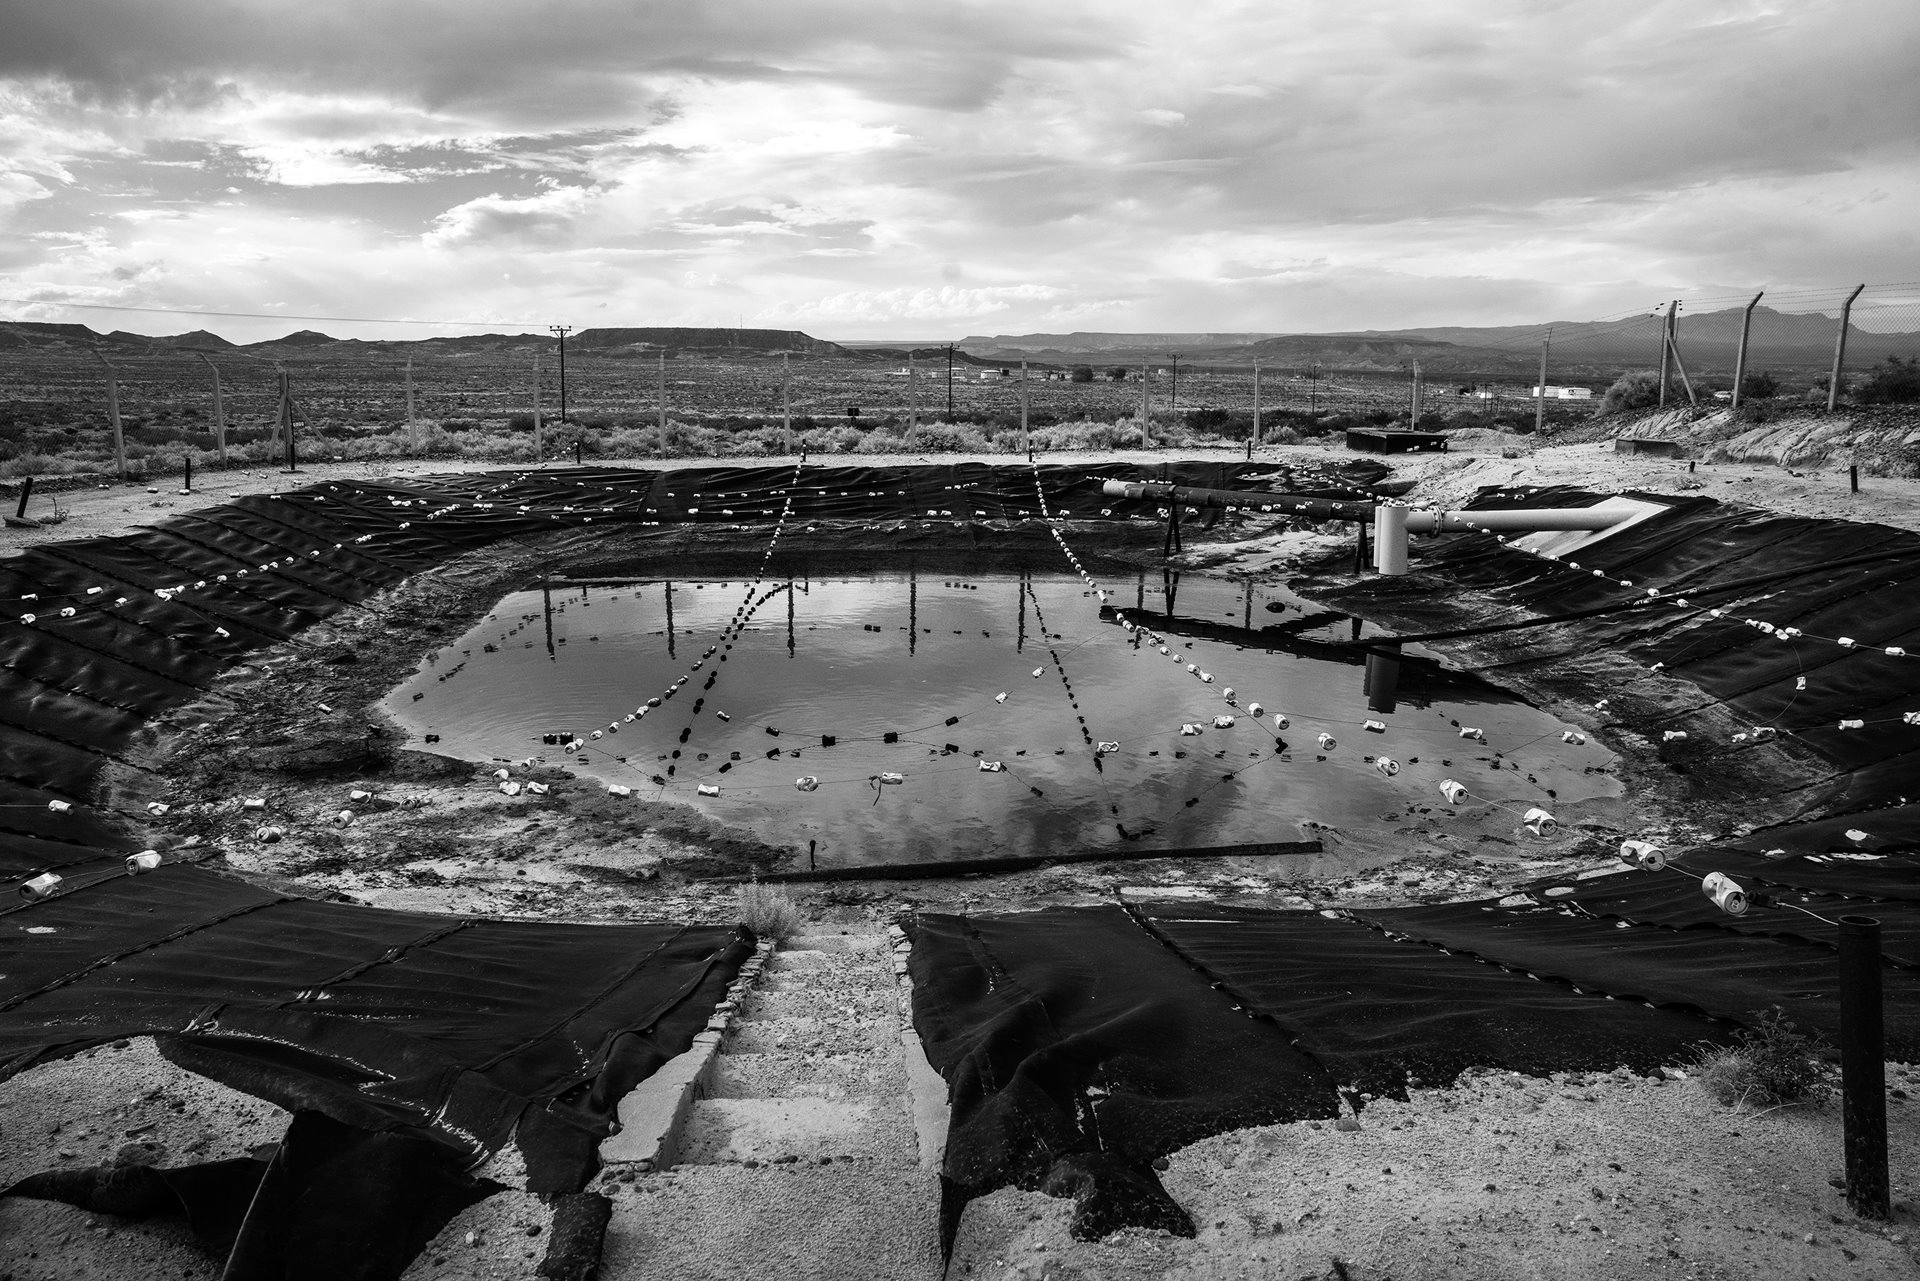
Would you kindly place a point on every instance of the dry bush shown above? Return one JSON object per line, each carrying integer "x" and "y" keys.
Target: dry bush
{"x": 1770, "y": 1064}
{"x": 769, "y": 912}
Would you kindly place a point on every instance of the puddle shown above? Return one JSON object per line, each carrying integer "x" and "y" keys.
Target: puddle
{"x": 846, "y": 679}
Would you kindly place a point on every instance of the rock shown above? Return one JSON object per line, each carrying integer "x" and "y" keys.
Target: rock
{"x": 1347, "y": 1124}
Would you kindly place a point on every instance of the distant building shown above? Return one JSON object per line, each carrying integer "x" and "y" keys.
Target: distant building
{"x": 1563, "y": 393}
{"x": 992, "y": 375}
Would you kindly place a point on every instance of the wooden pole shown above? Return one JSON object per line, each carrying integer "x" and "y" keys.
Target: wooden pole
{"x": 1840, "y": 350}
{"x": 1413, "y": 415}
{"x": 1540, "y": 399}
{"x": 113, "y": 417}
{"x": 786, "y": 405}
{"x": 663, "y": 398}
{"x": 1740, "y": 356}
{"x": 413, "y": 441}
{"x": 286, "y": 417}
{"x": 1863, "y": 1080}
{"x": 219, "y": 410}
{"x": 913, "y": 397}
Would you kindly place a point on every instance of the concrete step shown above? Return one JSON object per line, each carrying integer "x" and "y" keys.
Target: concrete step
{"x": 816, "y": 1036}
{"x": 834, "y": 1003}
{"x": 769, "y": 1130}
{"x": 847, "y": 974}
{"x": 798, "y": 1223}
{"x": 806, "y": 1076}
{"x": 868, "y": 943}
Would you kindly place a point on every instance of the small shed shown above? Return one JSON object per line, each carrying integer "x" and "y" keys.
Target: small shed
{"x": 1376, "y": 440}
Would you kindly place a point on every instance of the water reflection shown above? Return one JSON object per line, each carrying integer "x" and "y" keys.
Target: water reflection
{"x": 847, "y": 703}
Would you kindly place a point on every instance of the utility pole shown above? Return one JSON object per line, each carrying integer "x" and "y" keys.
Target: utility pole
{"x": 1840, "y": 349}
{"x": 219, "y": 409}
{"x": 949, "y": 382}
{"x": 1673, "y": 350}
{"x": 1540, "y": 392}
{"x": 663, "y": 398}
{"x": 562, "y": 331}
{"x": 1413, "y": 412}
{"x": 1173, "y": 402}
{"x": 113, "y": 416}
{"x": 1740, "y": 357}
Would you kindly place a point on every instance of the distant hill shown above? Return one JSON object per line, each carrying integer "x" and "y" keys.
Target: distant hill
{"x": 655, "y": 339}
{"x": 1581, "y": 349}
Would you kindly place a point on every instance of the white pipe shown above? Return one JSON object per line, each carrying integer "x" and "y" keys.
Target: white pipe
{"x": 1390, "y": 540}
{"x": 1542, "y": 518}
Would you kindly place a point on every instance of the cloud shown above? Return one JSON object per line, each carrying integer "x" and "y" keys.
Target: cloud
{"x": 863, "y": 168}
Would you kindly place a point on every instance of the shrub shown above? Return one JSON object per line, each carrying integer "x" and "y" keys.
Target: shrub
{"x": 769, "y": 913}
{"x": 1770, "y": 1064}
{"x": 1760, "y": 386}
{"x": 1892, "y": 381}
{"x": 1637, "y": 389}
{"x": 1081, "y": 374}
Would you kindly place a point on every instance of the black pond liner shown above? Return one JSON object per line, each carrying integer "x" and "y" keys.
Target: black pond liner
{"x": 1094, "y": 1040}
{"x": 407, "y": 1046}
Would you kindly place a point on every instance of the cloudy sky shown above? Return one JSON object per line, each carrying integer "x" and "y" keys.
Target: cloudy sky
{"x": 872, "y": 169}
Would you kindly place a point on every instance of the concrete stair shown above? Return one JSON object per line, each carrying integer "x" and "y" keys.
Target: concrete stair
{"x": 803, "y": 1146}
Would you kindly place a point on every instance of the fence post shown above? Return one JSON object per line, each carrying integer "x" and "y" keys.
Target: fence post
{"x": 1673, "y": 349}
{"x": 1863, "y": 1084}
{"x": 913, "y": 397}
{"x": 1413, "y": 414}
{"x": 1146, "y": 423}
{"x": 1256, "y": 409}
{"x": 663, "y": 399}
{"x": 1840, "y": 349}
{"x": 539, "y": 450}
{"x": 26, "y": 492}
{"x": 1740, "y": 356}
{"x": 219, "y": 410}
{"x": 286, "y": 417}
{"x": 786, "y": 405}
{"x": 1026, "y": 435}
{"x": 113, "y": 416}
{"x": 1540, "y": 392}
{"x": 1666, "y": 350}
{"x": 413, "y": 441}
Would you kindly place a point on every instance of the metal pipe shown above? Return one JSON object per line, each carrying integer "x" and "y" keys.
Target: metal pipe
{"x": 26, "y": 492}
{"x": 1840, "y": 349}
{"x": 1740, "y": 356}
{"x": 1390, "y": 540}
{"x": 1863, "y": 1083}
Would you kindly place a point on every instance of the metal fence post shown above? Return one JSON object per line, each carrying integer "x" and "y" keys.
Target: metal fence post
{"x": 1840, "y": 349}
{"x": 1863, "y": 1084}
{"x": 1740, "y": 357}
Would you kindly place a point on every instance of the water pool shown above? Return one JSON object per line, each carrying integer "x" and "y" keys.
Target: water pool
{"x": 853, "y": 681}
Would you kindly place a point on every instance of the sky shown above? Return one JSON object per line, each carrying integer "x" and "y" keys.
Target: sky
{"x": 872, "y": 170}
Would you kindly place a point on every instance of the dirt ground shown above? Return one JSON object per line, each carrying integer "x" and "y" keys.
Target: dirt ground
{"x": 1499, "y": 1176}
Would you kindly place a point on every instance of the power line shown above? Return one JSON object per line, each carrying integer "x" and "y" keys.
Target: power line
{"x": 263, "y": 315}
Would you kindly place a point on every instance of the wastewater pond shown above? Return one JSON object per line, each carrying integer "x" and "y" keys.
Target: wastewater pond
{"x": 920, "y": 717}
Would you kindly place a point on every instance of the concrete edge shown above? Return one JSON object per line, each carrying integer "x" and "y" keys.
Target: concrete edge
{"x": 926, "y": 1089}
{"x": 653, "y": 1115}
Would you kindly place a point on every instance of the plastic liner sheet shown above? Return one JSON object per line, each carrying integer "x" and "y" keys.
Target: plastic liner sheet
{"x": 464, "y": 1032}
{"x": 1718, "y": 973}
{"x": 1077, "y": 1048}
{"x": 332, "y": 1203}
{"x": 1382, "y": 1013}
{"x": 1676, "y": 902}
